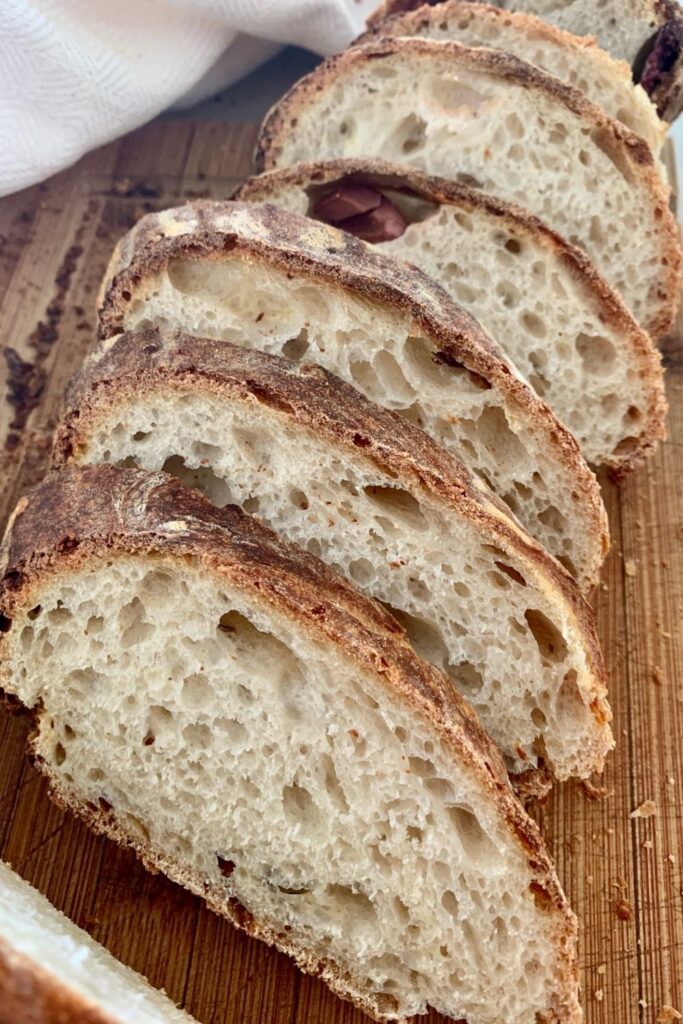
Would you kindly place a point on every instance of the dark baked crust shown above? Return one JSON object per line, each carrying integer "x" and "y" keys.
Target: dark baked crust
{"x": 31, "y": 995}
{"x": 603, "y": 299}
{"x": 297, "y": 245}
{"x": 625, "y": 146}
{"x": 78, "y": 519}
{"x": 154, "y": 361}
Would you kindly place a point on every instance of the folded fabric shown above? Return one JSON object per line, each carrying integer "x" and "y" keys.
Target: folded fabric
{"x": 75, "y": 74}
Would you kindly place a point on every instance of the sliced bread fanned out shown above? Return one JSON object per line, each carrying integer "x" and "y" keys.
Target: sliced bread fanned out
{"x": 374, "y": 497}
{"x": 484, "y": 118}
{"x": 52, "y": 972}
{"x": 261, "y": 732}
{"x": 648, "y": 34}
{"x": 541, "y": 298}
{"x": 576, "y": 60}
{"x": 268, "y": 279}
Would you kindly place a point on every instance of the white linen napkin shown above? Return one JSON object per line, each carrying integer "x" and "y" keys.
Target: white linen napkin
{"x": 75, "y": 74}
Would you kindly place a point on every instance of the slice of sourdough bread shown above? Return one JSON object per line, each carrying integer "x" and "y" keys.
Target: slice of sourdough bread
{"x": 271, "y": 280}
{"x": 484, "y": 118}
{"x": 52, "y": 972}
{"x": 371, "y": 495}
{"x": 576, "y": 60}
{"x": 646, "y": 33}
{"x": 264, "y": 734}
{"x": 560, "y": 323}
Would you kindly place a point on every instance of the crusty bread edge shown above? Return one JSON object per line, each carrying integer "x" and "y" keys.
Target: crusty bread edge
{"x": 318, "y": 402}
{"x": 600, "y": 295}
{"x": 78, "y": 518}
{"x": 362, "y": 270}
{"x": 499, "y": 64}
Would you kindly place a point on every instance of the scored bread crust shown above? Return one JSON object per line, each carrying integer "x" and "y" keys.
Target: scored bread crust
{"x": 508, "y": 68}
{"x": 298, "y": 245}
{"x": 599, "y": 294}
{"x": 29, "y": 994}
{"x": 76, "y": 519}
{"x": 585, "y": 48}
{"x": 152, "y": 361}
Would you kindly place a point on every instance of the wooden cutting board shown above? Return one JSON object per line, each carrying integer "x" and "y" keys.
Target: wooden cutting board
{"x": 623, "y": 875}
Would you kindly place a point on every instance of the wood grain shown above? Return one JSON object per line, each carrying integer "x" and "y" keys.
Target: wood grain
{"x": 623, "y": 875}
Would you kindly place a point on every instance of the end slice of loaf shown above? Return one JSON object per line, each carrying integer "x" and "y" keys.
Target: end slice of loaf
{"x": 257, "y": 729}
{"x": 559, "y": 322}
{"x": 268, "y": 279}
{"x": 576, "y": 60}
{"x": 484, "y": 118}
{"x": 648, "y": 34}
{"x": 375, "y": 498}
{"x": 51, "y": 971}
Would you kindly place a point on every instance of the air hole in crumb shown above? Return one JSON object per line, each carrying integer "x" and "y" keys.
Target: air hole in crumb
{"x": 34, "y": 612}
{"x": 296, "y": 348}
{"x": 59, "y": 754}
{"x": 298, "y": 499}
{"x": 299, "y": 805}
{"x": 512, "y": 573}
{"x": 550, "y": 641}
{"x": 450, "y": 903}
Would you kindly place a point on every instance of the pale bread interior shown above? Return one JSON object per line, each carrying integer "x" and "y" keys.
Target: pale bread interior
{"x": 605, "y": 82}
{"x": 383, "y": 353}
{"x": 521, "y": 143}
{"x": 265, "y": 764}
{"x": 35, "y": 932}
{"x": 497, "y": 626}
{"x": 585, "y": 367}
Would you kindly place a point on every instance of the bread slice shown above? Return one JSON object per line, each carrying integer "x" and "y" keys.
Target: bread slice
{"x": 371, "y": 495}
{"x": 52, "y": 972}
{"x": 262, "y": 733}
{"x": 485, "y": 118}
{"x": 648, "y": 34}
{"x": 562, "y": 326}
{"x": 576, "y": 60}
{"x": 284, "y": 284}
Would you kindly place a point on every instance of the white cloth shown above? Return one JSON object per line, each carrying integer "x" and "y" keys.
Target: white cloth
{"x": 77, "y": 73}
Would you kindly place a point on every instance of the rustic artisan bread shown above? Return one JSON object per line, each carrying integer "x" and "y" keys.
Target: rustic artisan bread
{"x": 268, "y": 279}
{"x": 370, "y": 494}
{"x": 576, "y": 60}
{"x": 559, "y": 322}
{"x": 485, "y": 118}
{"x": 52, "y": 972}
{"x": 262, "y": 733}
{"x": 646, "y": 33}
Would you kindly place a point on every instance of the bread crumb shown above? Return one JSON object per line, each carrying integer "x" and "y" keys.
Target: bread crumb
{"x": 602, "y": 969}
{"x": 599, "y": 995}
{"x": 657, "y": 676}
{"x": 670, "y": 780}
{"x": 643, "y": 1003}
{"x": 594, "y": 791}
{"x": 671, "y": 859}
{"x": 666, "y": 1014}
{"x": 647, "y": 845}
{"x": 630, "y": 567}
{"x": 646, "y": 810}
{"x": 623, "y": 909}
{"x": 589, "y": 880}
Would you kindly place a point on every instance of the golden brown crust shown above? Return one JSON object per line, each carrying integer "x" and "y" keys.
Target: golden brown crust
{"x": 154, "y": 361}
{"x": 31, "y": 995}
{"x": 297, "y": 245}
{"x": 634, "y": 152}
{"x": 78, "y": 519}
{"x": 599, "y": 295}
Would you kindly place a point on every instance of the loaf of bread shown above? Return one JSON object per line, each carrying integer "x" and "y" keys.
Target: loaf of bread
{"x": 576, "y": 60}
{"x": 372, "y": 496}
{"x": 268, "y": 279}
{"x": 484, "y": 118}
{"x": 560, "y": 323}
{"x": 52, "y": 972}
{"x": 648, "y": 34}
{"x": 258, "y": 730}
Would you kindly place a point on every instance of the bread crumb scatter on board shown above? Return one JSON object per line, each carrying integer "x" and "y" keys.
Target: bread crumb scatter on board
{"x": 643, "y": 1003}
{"x": 657, "y": 677}
{"x": 647, "y": 809}
{"x": 667, "y": 1014}
{"x": 671, "y": 859}
{"x": 602, "y": 969}
{"x": 599, "y": 995}
{"x": 630, "y": 567}
{"x": 596, "y": 791}
{"x": 647, "y": 845}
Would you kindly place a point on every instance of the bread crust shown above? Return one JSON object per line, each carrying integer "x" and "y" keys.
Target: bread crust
{"x": 31, "y": 995}
{"x": 297, "y": 245}
{"x": 603, "y": 299}
{"x": 77, "y": 519}
{"x": 508, "y": 68}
